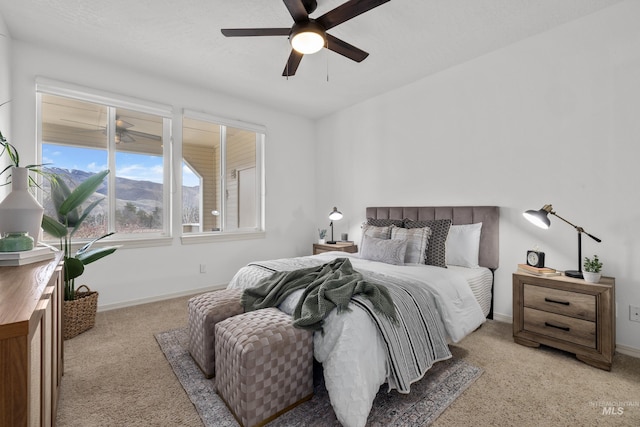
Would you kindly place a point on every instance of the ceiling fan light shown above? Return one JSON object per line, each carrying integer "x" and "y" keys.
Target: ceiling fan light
{"x": 308, "y": 37}
{"x": 307, "y": 42}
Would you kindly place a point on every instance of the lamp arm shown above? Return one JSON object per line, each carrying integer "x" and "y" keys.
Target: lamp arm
{"x": 578, "y": 229}
{"x": 592, "y": 236}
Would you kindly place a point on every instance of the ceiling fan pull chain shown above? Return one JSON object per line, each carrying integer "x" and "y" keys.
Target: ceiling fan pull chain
{"x": 327, "y": 56}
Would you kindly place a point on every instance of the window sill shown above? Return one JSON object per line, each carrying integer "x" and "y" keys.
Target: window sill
{"x": 196, "y": 238}
{"x": 126, "y": 243}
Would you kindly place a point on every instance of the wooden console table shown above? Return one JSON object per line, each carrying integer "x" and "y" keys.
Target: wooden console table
{"x": 31, "y": 345}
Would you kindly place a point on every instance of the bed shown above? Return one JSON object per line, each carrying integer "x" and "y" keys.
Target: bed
{"x": 447, "y": 273}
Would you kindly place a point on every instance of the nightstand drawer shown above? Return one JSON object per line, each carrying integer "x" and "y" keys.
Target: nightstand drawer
{"x": 564, "y": 328}
{"x": 348, "y": 247}
{"x": 574, "y": 304}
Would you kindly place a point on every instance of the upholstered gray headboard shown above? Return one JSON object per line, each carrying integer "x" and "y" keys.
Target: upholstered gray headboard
{"x": 489, "y": 216}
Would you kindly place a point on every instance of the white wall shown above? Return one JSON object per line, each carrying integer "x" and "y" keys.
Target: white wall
{"x": 132, "y": 274}
{"x": 552, "y": 119}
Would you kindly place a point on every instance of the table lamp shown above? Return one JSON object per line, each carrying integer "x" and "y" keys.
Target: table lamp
{"x": 335, "y": 215}
{"x": 540, "y": 218}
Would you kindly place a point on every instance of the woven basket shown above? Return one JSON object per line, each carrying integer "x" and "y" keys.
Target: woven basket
{"x": 79, "y": 315}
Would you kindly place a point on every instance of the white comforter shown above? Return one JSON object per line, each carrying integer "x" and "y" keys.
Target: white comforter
{"x": 351, "y": 350}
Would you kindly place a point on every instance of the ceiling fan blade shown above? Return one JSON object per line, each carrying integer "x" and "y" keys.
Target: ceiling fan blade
{"x": 251, "y": 32}
{"x": 345, "y": 49}
{"x": 124, "y": 137}
{"x": 297, "y": 10}
{"x": 292, "y": 63}
{"x": 142, "y": 134}
{"x": 346, "y": 11}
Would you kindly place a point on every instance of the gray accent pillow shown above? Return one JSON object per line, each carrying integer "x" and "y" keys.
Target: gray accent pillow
{"x": 417, "y": 242}
{"x": 385, "y": 222}
{"x": 383, "y": 250}
{"x": 375, "y": 231}
{"x": 437, "y": 249}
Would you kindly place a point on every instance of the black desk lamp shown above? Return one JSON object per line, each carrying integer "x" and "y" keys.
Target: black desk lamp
{"x": 335, "y": 215}
{"x": 541, "y": 219}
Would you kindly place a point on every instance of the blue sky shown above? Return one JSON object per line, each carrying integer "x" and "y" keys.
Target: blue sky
{"x": 128, "y": 165}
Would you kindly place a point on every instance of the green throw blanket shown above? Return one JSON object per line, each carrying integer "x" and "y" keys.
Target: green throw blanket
{"x": 327, "y": 286}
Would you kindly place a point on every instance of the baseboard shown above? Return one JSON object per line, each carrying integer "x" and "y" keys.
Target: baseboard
{"x": 629, "y": 351}
{"x": 502, "y": 317}
{"x": 622, "y": 349}
{"x": 163, "y": 297}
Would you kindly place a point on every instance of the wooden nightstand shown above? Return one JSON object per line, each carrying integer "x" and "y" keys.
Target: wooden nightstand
{"x": 566, "y": 313}
{"x": 338, "y": 246}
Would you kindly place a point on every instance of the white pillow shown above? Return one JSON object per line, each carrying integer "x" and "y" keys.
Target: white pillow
{"x": 417, "y": 242}
{"x": 383, "y": 250}
{"x": 463, "y": 245}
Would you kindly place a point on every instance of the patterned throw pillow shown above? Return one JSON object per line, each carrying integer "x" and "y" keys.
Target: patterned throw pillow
{"x": 436, "y": 251}
{"x": 383, "y": 250}
{"x": 417, "y": 242}
{"x": 385, "y": 222}
{"x": 383, "y": 232}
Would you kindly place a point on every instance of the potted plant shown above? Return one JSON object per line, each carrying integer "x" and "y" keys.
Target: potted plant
{"x": 592, "y": 268}
{"x": 321, "y": 234}
{"x": 19, "y": 210}
{"x": 79, "y": 308}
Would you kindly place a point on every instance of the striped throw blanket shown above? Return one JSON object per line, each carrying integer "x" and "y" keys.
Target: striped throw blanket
{"x": 414, "y": 342}
{"x": 417, "y": 340}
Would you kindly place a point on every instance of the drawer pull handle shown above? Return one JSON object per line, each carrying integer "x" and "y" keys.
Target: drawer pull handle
{"x": 564, "y": 328}
{"x": 556, "y": 302}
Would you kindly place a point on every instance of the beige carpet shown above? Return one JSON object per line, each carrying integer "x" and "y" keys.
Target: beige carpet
{"x": 116, "y": 375}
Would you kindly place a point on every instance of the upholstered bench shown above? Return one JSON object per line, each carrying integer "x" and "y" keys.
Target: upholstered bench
{"x": 264, "y": 366}
{"x": 205, "y": 311}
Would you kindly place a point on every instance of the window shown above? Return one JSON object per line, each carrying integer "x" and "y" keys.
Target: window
{"x": 81, "y": 134}
{"x": 222, "y": 178}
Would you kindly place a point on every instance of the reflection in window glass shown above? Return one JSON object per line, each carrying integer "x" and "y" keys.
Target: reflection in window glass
{"x": 191, "y": 199}
{"x": 229, "y": 201}
{"x": 80, "y": 138}
{"x": 139, "y": 172}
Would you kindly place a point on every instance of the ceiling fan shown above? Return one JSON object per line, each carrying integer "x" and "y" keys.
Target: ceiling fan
{"x": 123, "y": 133}
{"x": 309, "y": 35}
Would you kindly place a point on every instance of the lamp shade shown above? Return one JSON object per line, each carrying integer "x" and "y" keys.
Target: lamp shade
{"x": 540, "y": 217}
{"x": 308, "y": 37}
{"x": 335, "y": 214}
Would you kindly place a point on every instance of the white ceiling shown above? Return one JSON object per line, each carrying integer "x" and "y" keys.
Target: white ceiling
{"x": 181, "y": 39}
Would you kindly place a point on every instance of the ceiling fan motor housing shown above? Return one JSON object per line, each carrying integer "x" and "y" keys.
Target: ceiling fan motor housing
{"x": 310, "y": 5}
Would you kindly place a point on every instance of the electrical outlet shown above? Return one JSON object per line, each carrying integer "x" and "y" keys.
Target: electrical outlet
{"x": 634, "y": 313}
{"x": 203, "y": 268}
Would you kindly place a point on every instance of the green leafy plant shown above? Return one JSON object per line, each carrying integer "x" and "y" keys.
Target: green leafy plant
{"x": 9, "y": 150}
{"x": 592, "y": 265}
{"x": 68, "y": 206}
{"x": 322, "y": 233}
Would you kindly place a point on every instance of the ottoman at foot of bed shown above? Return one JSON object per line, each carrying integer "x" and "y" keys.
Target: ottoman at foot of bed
{"x": 205, "y": 311}
{"x": 264, "y": 366}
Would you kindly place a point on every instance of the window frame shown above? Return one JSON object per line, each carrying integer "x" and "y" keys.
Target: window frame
{"x": 113, "y": 102}
{"x": 261, "y": 136}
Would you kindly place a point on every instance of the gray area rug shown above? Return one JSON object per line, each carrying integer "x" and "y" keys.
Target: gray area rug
{"x": 429, "y": 397}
